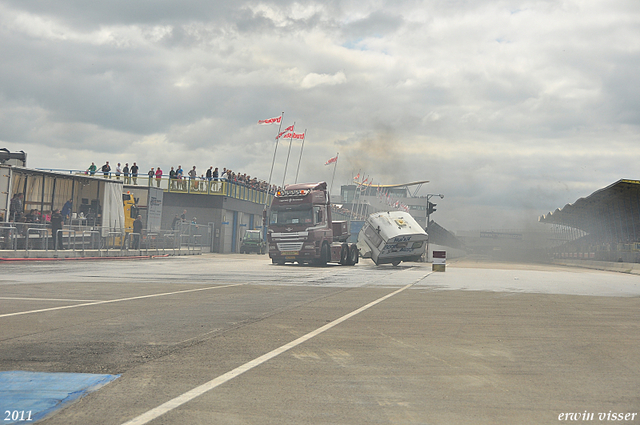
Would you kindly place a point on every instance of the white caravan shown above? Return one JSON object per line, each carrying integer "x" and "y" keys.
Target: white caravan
{"x": 392, "y": 237}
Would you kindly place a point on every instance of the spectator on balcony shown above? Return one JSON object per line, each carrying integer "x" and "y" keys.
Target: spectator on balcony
{"x": 158, "y": 176}
{"x": 134, "y": 173}
{"x": 192, "y": 177}
{"x": 125, "y": 171}
{"x": 106, "y": 168}
{"x": 92, "y": 169}
{"x": 180, "y": 177}
{"x": 151, "y": 174}
{"x": 172, "y": 179}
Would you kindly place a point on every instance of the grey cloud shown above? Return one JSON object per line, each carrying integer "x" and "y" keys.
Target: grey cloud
{"x": 376, "y": 24}
{"x": 83, "y": 14}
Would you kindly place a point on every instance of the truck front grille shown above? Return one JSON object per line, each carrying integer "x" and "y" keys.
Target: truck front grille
{"x": 290, "y": 246}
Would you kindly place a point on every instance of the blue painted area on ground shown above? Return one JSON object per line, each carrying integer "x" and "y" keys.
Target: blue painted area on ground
{"x": 26, "y": 397}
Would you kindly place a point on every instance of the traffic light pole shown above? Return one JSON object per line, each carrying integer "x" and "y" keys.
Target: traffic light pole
{"x": 430, "y": 209}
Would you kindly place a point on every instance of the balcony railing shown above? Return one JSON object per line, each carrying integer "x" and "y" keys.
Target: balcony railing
{"x": 200, "y": 186}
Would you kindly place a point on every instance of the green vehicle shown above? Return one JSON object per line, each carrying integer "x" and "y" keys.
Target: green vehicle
{"x": 252, "y": 241}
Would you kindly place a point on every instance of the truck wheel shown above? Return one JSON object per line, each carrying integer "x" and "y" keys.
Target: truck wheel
{"x": 395, "y": 263}
{"x": 325, "y": 255}
{"x": 345, "y": 255}
{"x": 354, "y": 255}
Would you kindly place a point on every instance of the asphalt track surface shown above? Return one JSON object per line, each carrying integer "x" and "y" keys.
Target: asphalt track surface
{"x": 232, "y": 339}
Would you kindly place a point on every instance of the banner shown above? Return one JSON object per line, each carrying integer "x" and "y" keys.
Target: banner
{"x": 270, "y": 121}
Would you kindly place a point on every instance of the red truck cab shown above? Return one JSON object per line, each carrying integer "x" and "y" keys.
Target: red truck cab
{"x": 301, "y": 230}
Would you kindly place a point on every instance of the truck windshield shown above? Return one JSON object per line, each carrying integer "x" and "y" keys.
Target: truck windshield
{"x": 295, "y": 214}
{"x": 254, "y": 236}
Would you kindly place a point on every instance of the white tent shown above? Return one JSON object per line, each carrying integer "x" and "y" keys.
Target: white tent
{"x": 112, "y": 211}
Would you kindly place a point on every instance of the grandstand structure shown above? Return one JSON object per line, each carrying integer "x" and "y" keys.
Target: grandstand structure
{"x": 364, "y": 199}
{"x": 604, "y": 226}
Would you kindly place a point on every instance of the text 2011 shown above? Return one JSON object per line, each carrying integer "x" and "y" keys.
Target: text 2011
{"x": 18, "y": 415}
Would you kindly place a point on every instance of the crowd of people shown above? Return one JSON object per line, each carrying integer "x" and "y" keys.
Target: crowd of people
{"x": 55, "y": 219}
{"x": 18, "y": 214}
{"x": 178, "y": 179}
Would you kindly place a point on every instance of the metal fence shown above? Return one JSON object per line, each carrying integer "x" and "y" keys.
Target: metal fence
{"x": 92, "y": 241}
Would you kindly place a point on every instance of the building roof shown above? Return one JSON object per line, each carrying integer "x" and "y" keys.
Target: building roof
{"x": 390, "y": 186}
{"x": 614, "y": 209}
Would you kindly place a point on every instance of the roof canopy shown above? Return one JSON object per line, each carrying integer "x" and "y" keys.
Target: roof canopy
{"x": 389, "y": 186}
{"x": 612, "y": 212}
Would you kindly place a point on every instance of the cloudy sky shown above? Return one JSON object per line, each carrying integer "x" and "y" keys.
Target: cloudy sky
{"x": 510, "y": 109}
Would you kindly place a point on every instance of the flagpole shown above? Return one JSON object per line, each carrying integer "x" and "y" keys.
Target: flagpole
{"x": 300, "y": 159}
{"x": 359, "y": 196}
{"x": 355, "y": 192}
{"x": 289, "y": 153}
{"x": 266, "y": 200}
{"x": 334, "y": 172}
{"x": 361, "y": 204}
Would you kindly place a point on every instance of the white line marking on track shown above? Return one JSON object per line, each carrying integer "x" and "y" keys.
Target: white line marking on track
{"x": 140, "y": 297}
{"x": 198, "y": 391}
{"x": 45, "y": 299}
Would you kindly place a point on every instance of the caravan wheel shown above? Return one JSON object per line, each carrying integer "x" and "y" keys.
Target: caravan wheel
{"x": 354, "y": 255}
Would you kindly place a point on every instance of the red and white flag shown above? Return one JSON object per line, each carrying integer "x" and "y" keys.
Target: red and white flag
{"x": 293, "y": 135}
{"x": 287, "y": 136}
{"x": 270, "y": 121}
{"x": 331, "y": 160}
